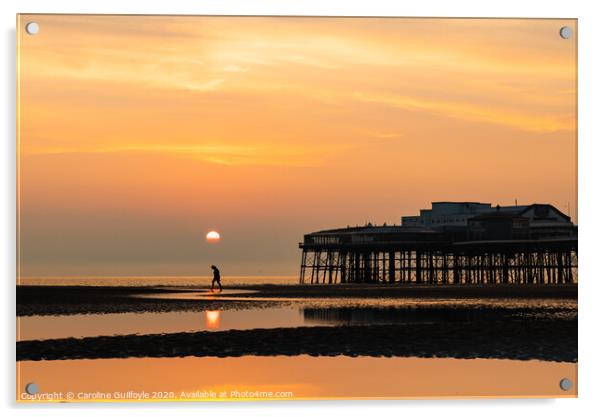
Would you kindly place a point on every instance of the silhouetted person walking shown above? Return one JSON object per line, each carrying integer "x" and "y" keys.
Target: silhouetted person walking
{"x": 216, "y": 278}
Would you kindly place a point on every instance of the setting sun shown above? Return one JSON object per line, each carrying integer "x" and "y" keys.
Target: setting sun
{"x": 213, "y": 237}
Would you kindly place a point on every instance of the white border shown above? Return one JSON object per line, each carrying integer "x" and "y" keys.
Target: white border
{"x": 590, "y": 135}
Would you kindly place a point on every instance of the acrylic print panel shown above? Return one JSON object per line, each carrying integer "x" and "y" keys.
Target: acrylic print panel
{"x": 287, "y": 208}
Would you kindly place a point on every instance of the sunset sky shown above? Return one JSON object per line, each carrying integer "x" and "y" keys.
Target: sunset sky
{"x": 137, "y": 135}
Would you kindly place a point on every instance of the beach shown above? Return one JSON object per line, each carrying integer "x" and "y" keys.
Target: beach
{"x": 504, "y": 322}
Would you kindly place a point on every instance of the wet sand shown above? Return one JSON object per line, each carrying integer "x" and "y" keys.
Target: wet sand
{"x": 49, "y": 300}
{"x": 521, "y": 340}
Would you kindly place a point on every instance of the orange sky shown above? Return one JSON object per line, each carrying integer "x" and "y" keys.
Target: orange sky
{"x": 140, "y": 134}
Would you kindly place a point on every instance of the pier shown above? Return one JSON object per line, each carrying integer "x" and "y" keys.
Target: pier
{"x": 491, "y": 248}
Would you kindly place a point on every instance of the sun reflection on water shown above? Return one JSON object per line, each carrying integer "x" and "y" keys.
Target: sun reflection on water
{"x": 212, "y": 319}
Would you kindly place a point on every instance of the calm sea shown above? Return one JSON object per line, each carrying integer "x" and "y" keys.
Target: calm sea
{"x": 138, "y": 281}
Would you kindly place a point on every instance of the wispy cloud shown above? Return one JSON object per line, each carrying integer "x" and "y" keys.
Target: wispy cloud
{"x": 384, "y": 135}
{"x": 211, "y": 153}
{"x": 234, "y": 68}
{"x": 472, "y": 112}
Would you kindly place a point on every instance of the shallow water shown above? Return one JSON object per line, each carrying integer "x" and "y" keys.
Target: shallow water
{"x": 87, "y": 325}
{"x": 294, "y": 313}
{"x": 289, "y": 312}
{"x": 368, "y": 301}
{"x": 299, "y": 377}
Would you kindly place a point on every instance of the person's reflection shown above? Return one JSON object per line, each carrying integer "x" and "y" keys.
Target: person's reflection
{"x": 212, "y": 319}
